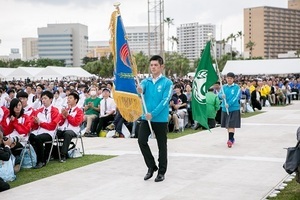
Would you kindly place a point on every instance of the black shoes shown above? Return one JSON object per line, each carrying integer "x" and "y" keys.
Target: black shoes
{"x": 39, "y": 165}
{"x": 159, "y": 178}
{"x": 150, "y": 173}
{"x": 63, "y": 158}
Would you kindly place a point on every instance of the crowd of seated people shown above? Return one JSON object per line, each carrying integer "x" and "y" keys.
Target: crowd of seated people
{"x": 36, "y": 110}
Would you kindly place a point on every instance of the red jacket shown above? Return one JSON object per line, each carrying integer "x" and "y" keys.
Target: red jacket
{"x": 72, "y": 121}
{"x": 21, "y": 126}
{"x": 48, "y": 123}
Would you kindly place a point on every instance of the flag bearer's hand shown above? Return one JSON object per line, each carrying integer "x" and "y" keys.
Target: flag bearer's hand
{"x": 139, "y": 89}
{"x": 148, "y": 116}
{"x": 223, "y": 96}
{"x": 226, "y": 105}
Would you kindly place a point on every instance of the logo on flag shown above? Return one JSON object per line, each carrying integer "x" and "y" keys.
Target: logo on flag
{"x": 124, "y": 54}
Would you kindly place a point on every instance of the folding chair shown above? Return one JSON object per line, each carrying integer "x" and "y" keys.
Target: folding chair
{"x": 79, "y": 136}
{"x": 56, "y": 141}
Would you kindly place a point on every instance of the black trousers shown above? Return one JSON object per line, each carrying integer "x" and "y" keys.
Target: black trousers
{"x": 160, "y": 129}
{"x": 37, "y": 141}
{"x": 103, "y": 122}
{"x": 3, "y": 185}
{"x": 118, "y": 122}
{"x": 67, "y": 136}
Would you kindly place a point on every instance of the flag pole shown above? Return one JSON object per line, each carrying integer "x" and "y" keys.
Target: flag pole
{"x": 134, "y": 72}
{"x": 217, "y": 69}
{"x": 146, "y": 111}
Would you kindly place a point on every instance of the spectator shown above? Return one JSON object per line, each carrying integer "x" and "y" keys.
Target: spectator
{"x": 245, "y": 97}
{"x": 69, "y": 125}
{"x": 107, "y": 111}
{"x": 5, "y": 154}
{"x": 255, "y": 98}
{"x": 11, "y": 94}
{"x": 91, "y": 109}
{"x": 118, "y": 123}
{"x": 287, "y": 91}
{"x": 188, "y": 94}
{"x": 173, "y": 117}
{"x": 212, "y": 107}
{"x": 181, "y": 106}
{"x": 57, "y": 101}
{"x": 46, "y": 120}
{"x": 16, "y": 127}
{"x": 30, "y": 95}
{"x": 280, "y": 97}
{"x": 37, "y": 99}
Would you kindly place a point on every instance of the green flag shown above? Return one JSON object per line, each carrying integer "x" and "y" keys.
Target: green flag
{"x": 205, "y": 77}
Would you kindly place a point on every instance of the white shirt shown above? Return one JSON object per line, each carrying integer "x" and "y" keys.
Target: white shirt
{"x": 110, "y": 106}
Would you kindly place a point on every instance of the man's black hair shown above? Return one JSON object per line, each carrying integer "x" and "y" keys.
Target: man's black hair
{"x": 158, "y": 58}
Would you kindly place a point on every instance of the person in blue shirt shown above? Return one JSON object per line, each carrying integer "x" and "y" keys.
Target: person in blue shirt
{"x": 230, "y": 116}
{"x": 157, "y": 91}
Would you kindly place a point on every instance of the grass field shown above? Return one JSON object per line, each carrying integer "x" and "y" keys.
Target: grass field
{"x": 291, "y": 192}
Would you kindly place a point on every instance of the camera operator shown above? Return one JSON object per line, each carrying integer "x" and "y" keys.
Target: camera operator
{"x": 5, "y": 154}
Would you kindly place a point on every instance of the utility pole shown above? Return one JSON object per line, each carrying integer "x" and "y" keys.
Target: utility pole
{"x": 156, "y": 39}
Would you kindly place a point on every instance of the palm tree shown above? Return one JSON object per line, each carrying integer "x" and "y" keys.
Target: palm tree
{"x": 169, "y": 21}
{"x": 240, "y": 35}
{"x": 250, "y": 46}
{"x": 231, "y": 37}
{"x": 174, "y": 40}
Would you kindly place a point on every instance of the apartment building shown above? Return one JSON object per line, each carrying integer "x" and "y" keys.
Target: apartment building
{"x": 192, "y": 38}
{"x": 273, "y": 30}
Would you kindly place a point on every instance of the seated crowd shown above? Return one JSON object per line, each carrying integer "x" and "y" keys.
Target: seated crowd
{"x": 36, "y": 111}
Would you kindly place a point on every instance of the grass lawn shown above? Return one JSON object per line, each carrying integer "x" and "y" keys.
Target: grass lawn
{"x": 250, "y": 114}
{"x": 291, "y": 192}
{"x": 187, "y": 131}
{"x": 55, "y": 167}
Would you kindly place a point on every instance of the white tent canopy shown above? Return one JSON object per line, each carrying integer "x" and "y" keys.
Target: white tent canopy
{"x": 52, "y": 72}
{"x": 22, "y": 73}
{"x": 38, "y": 73}
{"x": 4, "y": 72}
{"x": 256, "y": 67}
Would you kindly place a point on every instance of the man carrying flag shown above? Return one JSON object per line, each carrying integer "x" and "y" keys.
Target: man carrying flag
{"x": 205, "y": 77}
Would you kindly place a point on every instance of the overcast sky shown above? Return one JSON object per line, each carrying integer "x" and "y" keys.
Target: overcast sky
{"x": 21, "y": 18}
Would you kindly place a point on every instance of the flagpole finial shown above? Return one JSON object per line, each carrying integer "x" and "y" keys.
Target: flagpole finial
{"x": 210, "y": 35}
{"x": 116, "y": 5}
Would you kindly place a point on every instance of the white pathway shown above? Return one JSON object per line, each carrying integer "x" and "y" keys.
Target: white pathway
{"x": 200, "y": 165}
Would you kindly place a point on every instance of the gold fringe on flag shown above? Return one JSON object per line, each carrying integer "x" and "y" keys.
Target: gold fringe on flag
{"x": 129, "y": 105}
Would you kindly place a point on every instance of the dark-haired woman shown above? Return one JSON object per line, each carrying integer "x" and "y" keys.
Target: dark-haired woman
{"x": 16, "y": 127}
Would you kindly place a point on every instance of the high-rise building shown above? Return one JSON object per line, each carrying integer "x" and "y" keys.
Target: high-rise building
{"x": 273, "y": 31}
{"x": 138, "y": 39}
{"x": 294, "y": 4}
{"x": 192, "y": 38}
{"x": 29, "y": 48}
{"x": 67, "y": 42}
